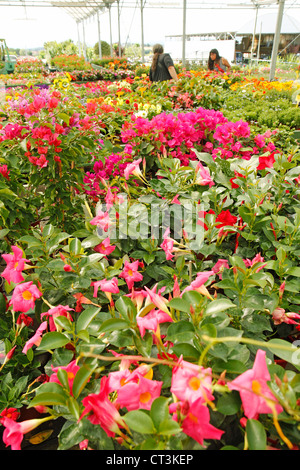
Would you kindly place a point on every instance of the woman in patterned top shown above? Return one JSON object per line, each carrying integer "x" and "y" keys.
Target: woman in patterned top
{"x": 218, "y": 63}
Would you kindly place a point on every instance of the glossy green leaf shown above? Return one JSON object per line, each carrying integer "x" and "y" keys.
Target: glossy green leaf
{"x": 219, "y": 305}
{"x": 53, "y": 340}
{"x": 256, "y": 435}
{"x": 139, "y": 421}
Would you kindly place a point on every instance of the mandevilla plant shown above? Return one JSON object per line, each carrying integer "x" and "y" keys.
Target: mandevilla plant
{"x": 150, "y": 265}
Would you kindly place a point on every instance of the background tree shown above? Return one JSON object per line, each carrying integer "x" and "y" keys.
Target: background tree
{"x": 105, "y": 49}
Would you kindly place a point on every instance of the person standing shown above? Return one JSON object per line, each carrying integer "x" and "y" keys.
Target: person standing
{"x": 218, "y": 63}
{"x": 162, "y": 67}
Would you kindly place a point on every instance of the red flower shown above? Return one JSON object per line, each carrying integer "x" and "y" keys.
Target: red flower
{"x": 225, "y": 218}
{"x": 266, "y": 161}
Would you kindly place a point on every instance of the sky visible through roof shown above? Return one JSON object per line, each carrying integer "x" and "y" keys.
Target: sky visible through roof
{"x": 29, "y": 27}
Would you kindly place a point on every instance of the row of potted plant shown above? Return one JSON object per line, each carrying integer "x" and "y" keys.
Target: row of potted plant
{"x": 150, "y": 266}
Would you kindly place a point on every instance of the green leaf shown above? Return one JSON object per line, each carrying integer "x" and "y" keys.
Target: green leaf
{"x": 159, "y": 411}
{"x": 180, "y": 331}
{"x": 187, "y": 350}
{"x": 180, "y": 304}
{"x": 113, "y": 324}
{"x": 124, "y": 305}
{"x": 139, "y": 421}
{"x": 62, "y": 376}
{"x": 229, "y": 404}
{"x": 49, "y": 394}
{"x": 63, "y": 322}
{"x": 256, "y": 435}
{"x": 3, "y": 233}
{"x": 81, "y": 378}
{"x": 86, "y": 317}
{"x": 295, "y": 271}
{"x": 219, "y": 305}
{"x": 193, "y": 298}
{"x": 169, "y": 427}
{"x": 73, "y": 407}
{"x": 285, "y": 350}
{"x": 75, "y": 246}
{"x": 53, "y": 340}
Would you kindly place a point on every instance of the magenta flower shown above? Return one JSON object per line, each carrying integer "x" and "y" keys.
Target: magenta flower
{"x": 108, "y": 286}
{"x": 59, "y": 311}
{"x": 157, "y": 299}
{"x": 36, "y": 338}
{"x": 15, "y": 266}
{"x": 14, "y": 432}
{"x": 72, "y": 368}
{"x": 167, "y": 245}
{"x": 102, "y": 220}
{"x": 118, "y": 379}
{"x": 219, "y": 267}
{"x": 105, "y": 248}
{"x": 198, "y": 283}
{"x": 141, "y": 394}
{"x": 133, "y": 169}
{"x": 279, "y": 315}
{"x": 130, "y": 273}
{"x": 257, "y": 259}
{"x": 102, "y": 411}
{"x": 24, "y": 297}
{"x": 203, "y": 177}
{"x": 191, "y": 382}
{"x": 137, "y": 297}
{"x": 196, "y": 423}
{"x": 253, "y": 388}
{"x": 152, "y": 320}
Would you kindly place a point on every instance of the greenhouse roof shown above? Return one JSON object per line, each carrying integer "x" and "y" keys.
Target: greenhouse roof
{"x": 268, "y": 23}
{"x": 83, "y": 9}
{"x": 77, "y": 9}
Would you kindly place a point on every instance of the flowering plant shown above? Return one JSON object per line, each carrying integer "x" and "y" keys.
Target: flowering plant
{"x": 162, "y": 313}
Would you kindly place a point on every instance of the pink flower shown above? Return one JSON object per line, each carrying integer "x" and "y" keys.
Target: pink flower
{"x": 157, "y": 299}
{"x": 279, "y": 316}
{"x": 175, "y": 200}
{"x": 108, "y": 286}
{"x": 152, "y": 320}
{"x": 196, "y": 423}
{"x": 24, "y": 297}
{"x": 102, "y": 220}
{"x": 36, "y": 338}
{"x": 72, "y": 368}
{"x": 137, "y": 297}
{"x": 105, "y": 248}
{"x": 118, "y": 379}
{"x": 102, "y": 411}
{"x": 141, "y": 394}
{"x": 257, "y": 259}
{"x": 167, "y": 245}
{"x": 253, "y": 388}
{"x": 219, "y": 267}
{"x": 4, "y": 171}
{"x": 67, "y": 268}
{"x": 191, "y": 382}
{"x": 14, "y": 431}
{"x": 203, "y": 177}
{"x": 133, "y": 169}
{"x": 198, "y": 283}
{"x": 59, "y": 311}
{"x": 15, "y": 266}
{"x": 130, "y": 273}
